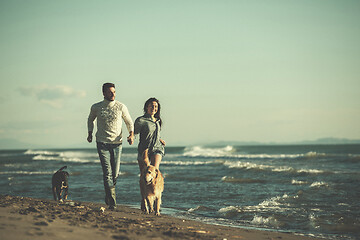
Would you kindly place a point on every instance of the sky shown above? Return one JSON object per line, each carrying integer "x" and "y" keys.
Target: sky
{"x": 229, "y": 70}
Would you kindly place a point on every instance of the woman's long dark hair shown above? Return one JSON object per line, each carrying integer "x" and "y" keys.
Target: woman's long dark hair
{"x": 157, "y": 114}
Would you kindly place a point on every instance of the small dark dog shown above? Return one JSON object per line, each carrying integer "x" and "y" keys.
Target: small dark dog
{"x": 60, "y": 183}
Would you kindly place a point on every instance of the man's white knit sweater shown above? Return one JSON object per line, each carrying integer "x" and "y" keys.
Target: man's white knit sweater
{"x": 109, "y": 115}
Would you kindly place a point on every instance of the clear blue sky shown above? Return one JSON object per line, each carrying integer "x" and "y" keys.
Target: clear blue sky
{"x": 237, "y": 70}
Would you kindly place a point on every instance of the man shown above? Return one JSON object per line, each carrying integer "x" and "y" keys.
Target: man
{"x": 109, "y": 114}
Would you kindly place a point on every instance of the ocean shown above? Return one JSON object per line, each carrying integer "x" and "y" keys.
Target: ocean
{"x": 312, "y": 190}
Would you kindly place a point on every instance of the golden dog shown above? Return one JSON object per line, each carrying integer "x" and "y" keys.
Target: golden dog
{"x": 151, "y": 187}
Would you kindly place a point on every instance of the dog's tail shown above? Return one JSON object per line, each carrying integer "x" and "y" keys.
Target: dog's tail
{"x": 62, "y": 168}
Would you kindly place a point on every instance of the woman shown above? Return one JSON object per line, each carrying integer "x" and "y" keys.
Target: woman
{"x": 149, "y": 126}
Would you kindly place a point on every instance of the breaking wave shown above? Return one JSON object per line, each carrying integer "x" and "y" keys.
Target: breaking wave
{"x": 61, "y": 159}
{"x": 232, "y": 152}
{"x": 241, "y": 180}
{"x": 298, "y": 182}
{"x": 66, "y": 156}
{"x": 265, "y": 221}
{"x": 208, "y": 152}
{"x": 255, "y": 166}
{"x": 187, "y": 163}
{"x": 319, "y": 184}
{"x": 26, "y": 173}
{"x": 200, "y": 209}
{"x": 278, "y": 203}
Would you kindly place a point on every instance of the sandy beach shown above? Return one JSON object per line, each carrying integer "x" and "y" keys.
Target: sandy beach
{"x": 28, "y": 218}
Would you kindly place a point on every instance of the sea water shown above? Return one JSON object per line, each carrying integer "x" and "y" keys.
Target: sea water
{"x": 311, "y": 190}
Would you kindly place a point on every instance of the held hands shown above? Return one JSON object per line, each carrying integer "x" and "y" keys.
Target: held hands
{"x": 130, "y": 138}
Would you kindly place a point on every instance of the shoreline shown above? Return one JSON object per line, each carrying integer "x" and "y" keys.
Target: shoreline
{"x": 24, "y": 217}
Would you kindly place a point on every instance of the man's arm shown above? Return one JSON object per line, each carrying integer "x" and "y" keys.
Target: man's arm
{"x": 90, "y": 124}
{"x": 129, "y": 124}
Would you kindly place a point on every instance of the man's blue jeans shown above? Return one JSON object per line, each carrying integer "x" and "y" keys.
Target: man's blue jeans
{"x": 109, "y": 155}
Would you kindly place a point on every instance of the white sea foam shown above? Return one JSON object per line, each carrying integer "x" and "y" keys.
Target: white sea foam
{"x": 16, "y": 165}
{"x": 65, "y": 156}
{"x": 314, "y": 154}
{"x": 199, "y": 208}
{"x": 193, "y": 209}
{"x": 229, "y": 179}
{"x": 316, "y": 210}
{"x": 72, "y": 154}
{"x": 189, "y": 163}
{"x": 254, "y": 166}
{"x": 313, "y": 171}
{"x": 230, "y": 151}
{"x": 298, "y": 182}
{"x": 61, "y": 159}
{"x": 124, "y": 173}
{"x": 283, "y": 169}
{"x": 268, "y": 221}
{"x": 319, "y": 184}
{"x": 313, "y": 220}
{"x": 277, "y": 203}
{"x": 26, "y": 173}
{"x": 273, "y": 202}
{"x": 246, "y": 165}
{"x": 268, "y": 156}
{"x": 228, "y": 209}
{"x": 198, "y": 151}
{"x": 312, "y": 216}
{"x": 40, "y": 152}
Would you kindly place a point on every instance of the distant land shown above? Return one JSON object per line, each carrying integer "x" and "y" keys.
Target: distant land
{"x": 10, "y": 144}
{"x": 320, "y": 141}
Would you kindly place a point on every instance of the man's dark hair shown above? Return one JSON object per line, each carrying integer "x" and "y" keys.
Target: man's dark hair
{"x": 107, "y": 85}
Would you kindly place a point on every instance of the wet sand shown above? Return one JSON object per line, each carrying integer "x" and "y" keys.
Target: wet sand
{"x": 29, "y": 218}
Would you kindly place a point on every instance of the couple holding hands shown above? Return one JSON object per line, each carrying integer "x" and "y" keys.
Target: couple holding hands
{"x": 109, "y": 114}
